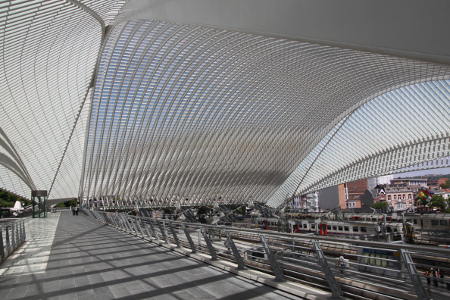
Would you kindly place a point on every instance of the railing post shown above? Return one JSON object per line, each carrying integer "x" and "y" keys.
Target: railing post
{"x": 16, "y": 235}
{"x": 123, "y": 222}
{"x": 133, "y": 224}
{"x": 2, "y": 246}
{"x": 137, "y": 220}
{"x": 229, "y": 243}
{"x": 410, "y": 266}
{"x": 8, "y": 242}
{"x": 162, "y": 229}
{"x": 127, "y": 224}
{"x": 276, "y": 268}
{"x": 188, "y": 236}
{"x": 105, "y": 218}
{"x": 174, "y": 234}
{"x": 152, "y": 228}
{"x": 108, "y": 219}
{"x": 209, "y": 244}
{"x": 144, "y": 224}
{"x": 113, "y": 219}
{"x": 19, "y": 232}
{"x": 329, "y": 275}
{"x": 13, "y": 236}
{"x": 24, "y": 231}
{"x": 119, "y": 222}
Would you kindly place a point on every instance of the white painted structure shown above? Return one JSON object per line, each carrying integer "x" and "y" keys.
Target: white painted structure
{"x": 198, "y": 102}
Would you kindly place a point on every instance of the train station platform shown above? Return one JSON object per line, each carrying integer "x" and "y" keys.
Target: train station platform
{"x": 74, "y": 257}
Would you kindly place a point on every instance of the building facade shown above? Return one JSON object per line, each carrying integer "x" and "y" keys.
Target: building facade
{"x": 421, "y": 182}
{"x": 355, "y": 194}
{"x": 400, "y": 199}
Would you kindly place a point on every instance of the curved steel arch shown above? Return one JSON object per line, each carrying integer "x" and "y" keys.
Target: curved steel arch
{"x": 365, "y": 158}
{"x": 49, "y": 50}
{"x": 199, "y": 115}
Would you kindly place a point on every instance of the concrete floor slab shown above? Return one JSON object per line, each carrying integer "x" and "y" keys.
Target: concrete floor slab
{"x": 73, "y": 257}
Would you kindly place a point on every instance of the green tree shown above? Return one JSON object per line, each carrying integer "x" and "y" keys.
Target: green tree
{"x": 3, "y": 195}
{"x": 381, "y": 205}
{"x": 61, "y": 205}
{"x": 446, "y": 185}
{"x": 241, "y": 210}
{"x": 437, "y": 201}
{"x": 68, "y": 203}
{"x": 5, "y": 203}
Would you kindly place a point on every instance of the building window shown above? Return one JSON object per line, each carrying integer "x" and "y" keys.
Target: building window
{"x": 409, "y": 196}
{"x": 355, "y": 229}
{"x": 389, "y": 197}
{"x": 395, "y": 197}
{"x": 363, "y": 229}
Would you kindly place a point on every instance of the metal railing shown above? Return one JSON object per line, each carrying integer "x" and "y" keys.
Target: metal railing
{"x": 346, "y": 269}
{"x": 12, "y": 236}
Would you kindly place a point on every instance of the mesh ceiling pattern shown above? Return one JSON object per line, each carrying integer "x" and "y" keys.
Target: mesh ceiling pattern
{"x": 405, "y": 129}
{"x": 49, "y": 51}
{"x": 193, "y": 115}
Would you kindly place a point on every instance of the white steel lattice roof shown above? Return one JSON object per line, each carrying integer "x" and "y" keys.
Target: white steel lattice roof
{"x": 48, "y": 54}
{"x": 182, "y": 114}
{"x": 193, "y": 114}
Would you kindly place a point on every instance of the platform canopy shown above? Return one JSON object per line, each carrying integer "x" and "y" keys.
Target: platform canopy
{"x": 196, "y": 102}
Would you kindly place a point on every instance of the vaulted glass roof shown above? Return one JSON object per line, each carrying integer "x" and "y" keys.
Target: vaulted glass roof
{"x": 155, "y": 113}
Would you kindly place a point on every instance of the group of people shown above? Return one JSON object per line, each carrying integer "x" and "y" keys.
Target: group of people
{"x": 74, "y": 210}
{"x": 436, "y": 276}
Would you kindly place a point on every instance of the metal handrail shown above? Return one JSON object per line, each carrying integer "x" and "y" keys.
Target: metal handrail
{"x": 12, "y": 236}
{"x": 282, "y": 255}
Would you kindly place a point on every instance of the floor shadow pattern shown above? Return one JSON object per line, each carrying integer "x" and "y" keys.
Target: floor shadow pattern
{"x": 92, "y": 261}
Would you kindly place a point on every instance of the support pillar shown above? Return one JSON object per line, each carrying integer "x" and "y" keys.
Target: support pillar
{"x": 276, "y": 268}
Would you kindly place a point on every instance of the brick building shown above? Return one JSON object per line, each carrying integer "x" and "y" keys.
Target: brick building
{"x": 354, "y": 194}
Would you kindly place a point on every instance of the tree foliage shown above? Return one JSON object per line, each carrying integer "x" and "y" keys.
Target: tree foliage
{"x": 8, "y": 199}
{"x": 437, "y": 201}
{"x": 446, "y": 185}
{"x": 382, "y": 205}
{"x": 68, "y": 203}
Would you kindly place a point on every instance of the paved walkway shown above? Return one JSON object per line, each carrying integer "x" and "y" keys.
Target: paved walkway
{"x": 32, "y": 257}
{"x": 92, "y": 261}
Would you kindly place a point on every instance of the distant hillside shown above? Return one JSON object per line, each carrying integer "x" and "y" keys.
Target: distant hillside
{"x": 438, "y": 176}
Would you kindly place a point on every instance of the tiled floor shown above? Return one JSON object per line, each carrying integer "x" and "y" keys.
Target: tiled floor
{"x": 33, "y": 256}
{"x": 91, "y": 261}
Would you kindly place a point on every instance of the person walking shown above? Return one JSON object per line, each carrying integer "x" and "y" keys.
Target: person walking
{"x": 435, "y": 274}
{"x": 428, "y": 276}
{"x": 342, "y": 264}
{"x": 76, "y": 210}
{"x": 72, "y": 209}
